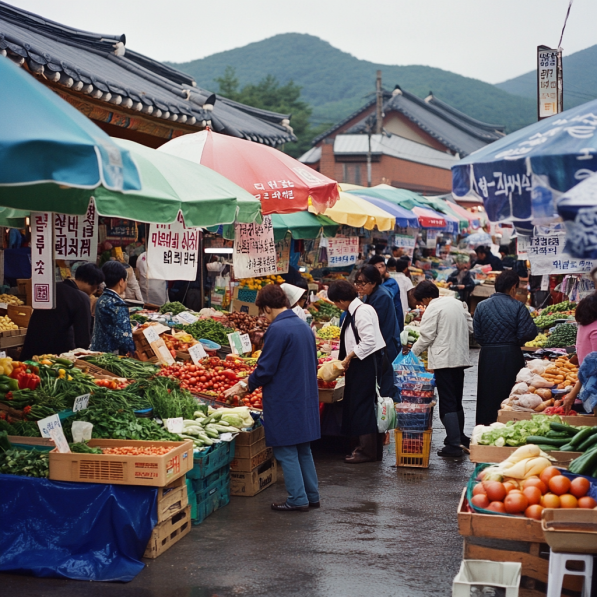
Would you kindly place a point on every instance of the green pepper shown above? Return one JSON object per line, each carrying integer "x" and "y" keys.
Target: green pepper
{"x": 66, "y": 364}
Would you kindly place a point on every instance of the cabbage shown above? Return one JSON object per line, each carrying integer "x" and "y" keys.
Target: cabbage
{"x": 514, "y": 433}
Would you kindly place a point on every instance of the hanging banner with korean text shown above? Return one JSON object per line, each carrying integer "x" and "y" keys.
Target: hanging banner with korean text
{"x": 75, "y": 237}
{"x": 254, "y": 250}
{"x": 283, "y": 254}
{"x": 42, "y": 264}
{"x": 343, "y": 251}
{"x": 172, "y": 251}
{"x": 547, "y": 256}
{"x": 549, "y": 81}
{"x": 406, "y": 243}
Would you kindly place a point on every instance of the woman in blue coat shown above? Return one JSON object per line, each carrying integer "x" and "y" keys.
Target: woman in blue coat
{"x": 287, "y": 372}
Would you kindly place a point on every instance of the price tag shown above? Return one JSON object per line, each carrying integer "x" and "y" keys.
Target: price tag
{"x": 47, "y": 424}
{"x": 57, "y": 435}
{"x": 81, "y": 402}
{"x": 545, "y": 282}
{"x": 164, "y": 355}
{"x": 3, "y": 305}
{"x": 239, "y": 343}
{"x": 175, "y": 425}
{"x": 197, "y": 352}
{"x": 186, "y": 317}
{"x": 335, "y": 321}
{"x": 151, "y": 334}
{"x": 2, "y": 354}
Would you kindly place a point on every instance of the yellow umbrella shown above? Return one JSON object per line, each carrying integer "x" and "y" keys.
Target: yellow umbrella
{"x": 358, "y": 213}
{"x": 345, "y": 186}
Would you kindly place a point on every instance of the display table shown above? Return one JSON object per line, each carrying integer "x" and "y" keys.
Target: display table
{"x": 479, "y": 293}
{"x": 80, "y": 531}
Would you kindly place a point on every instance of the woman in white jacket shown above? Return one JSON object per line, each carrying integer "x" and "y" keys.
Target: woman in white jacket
{"x": 444, "y": 332}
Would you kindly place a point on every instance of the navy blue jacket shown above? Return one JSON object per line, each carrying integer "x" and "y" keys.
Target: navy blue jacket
{"x": 392, "y": 287}
{"x": 383, "y": 303}
{"x": 500, "y": 319}
{"x": 287, "y": 371}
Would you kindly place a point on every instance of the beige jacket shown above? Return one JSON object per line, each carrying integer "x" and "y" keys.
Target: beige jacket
{"x": 444, "y": 332}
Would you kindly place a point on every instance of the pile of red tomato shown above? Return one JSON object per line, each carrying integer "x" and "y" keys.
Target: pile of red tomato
{"x": 531, "y": 496}
{"x": 212, "y": 377}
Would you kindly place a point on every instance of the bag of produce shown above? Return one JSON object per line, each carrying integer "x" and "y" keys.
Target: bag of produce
{"x": 520, "y": 388}
{"x": 540, "y": 382}
{"x": 529, "y": 400}
{"x": 330, "y": 371}
{"x": 525, "y": 375}
{"x": 386, "y": 413}
{"x": 538, "y": 366}
{"x": 81, "y": 431}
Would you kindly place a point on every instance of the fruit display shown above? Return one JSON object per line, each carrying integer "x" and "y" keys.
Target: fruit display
{"x": 329, "y": 332}
{"x": 308, "y": 277}
{"x": 539, "y": 342}
{"x": 11, "y": 299}
{"x": 548, "y": 321}
{"x": 174, "y": 344}
{"x": 563, "y": 335}
{"x": 323, "y": 311}
{"x": 562, "y": 373}
{"x": 259, "y": 283}
{"x": 6, "y": 324}
{"x": 245, "y": 323}
{"x": 565, "y": 307}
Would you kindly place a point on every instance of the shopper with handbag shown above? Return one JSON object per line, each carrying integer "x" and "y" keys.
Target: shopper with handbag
{"x": 361, "y": 346}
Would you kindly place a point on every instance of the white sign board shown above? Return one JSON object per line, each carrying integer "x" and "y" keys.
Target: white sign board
{"x": 547, "y": 79}
{"x": 150, "y": 334}
{"x": 186, "y": 318}
{"x": 57, "y": 435}
{"x": 343, "y": 251}
{"x": 239, "y": 343}
{"x": 197, "y": 352}
{"x": 175, "y": 425}
{"x": 431, "y": 239}
{"x": 75, "y": 237}
{"x": 42, "y": 264}
{"x": 81, "y": 402}
{"x": 254, "y": 250}
{"x": 522, "y": 243}
{"x": 172, "y": 251}
{"x": 547, "y": 256}
{"x": 46, "y": 425}
{"x": 406, "y": 243}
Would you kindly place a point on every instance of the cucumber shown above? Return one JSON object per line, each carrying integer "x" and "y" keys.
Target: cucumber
{"x": 562, "y": 428}
{"x": 588, "y": 443}
{"x": 585, "y": 464}
{"x": 546, "y": 448}
{"x": 546, "y": 441}
{"x": 558, "y": 435}
{"x": 566, "y": 448}
{"x": 581, "y": 436}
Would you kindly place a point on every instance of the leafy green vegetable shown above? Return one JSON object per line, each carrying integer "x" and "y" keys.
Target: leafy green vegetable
{"x": 83, "y": 448}
{"x": 175, "y": 308}
{"x": 209, "y": 329}
{"x": 169, "y": 400}
{"x": 30, "y": 463}
{"x": 514, "y": 433}
{"x": 123, "y": 366}
{"x": 564, "y": 335}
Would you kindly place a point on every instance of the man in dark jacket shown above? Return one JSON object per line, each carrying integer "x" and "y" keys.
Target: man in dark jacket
{"x": 390, "y": 285}
{"x": 486, "y": 257}
{"x": 68, "y": 326}
{"x": 461, "y": 279}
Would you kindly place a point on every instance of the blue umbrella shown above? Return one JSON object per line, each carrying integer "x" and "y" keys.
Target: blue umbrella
{"x": 520, "y": 177}
{"x": 404, "y": 217}
{"x": 43, "y": 139}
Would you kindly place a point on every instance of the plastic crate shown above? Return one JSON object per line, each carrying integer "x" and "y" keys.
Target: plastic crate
{"x": 247, "y": 296}
{"x": 205, "y": 463}
{"x": 413, "y": 448}
{"x": 414, "y": 417}
{"x": 210, "y": 499}
{"x": 415, "y": 397}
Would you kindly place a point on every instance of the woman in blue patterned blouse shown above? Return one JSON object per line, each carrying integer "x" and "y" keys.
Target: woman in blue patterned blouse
{"x": 112, "y": 331}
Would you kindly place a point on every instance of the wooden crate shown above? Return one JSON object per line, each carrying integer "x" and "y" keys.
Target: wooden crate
{"x": 172, "y": 499}
{"x": 153, "y": 471}
{"x": 330, "y": 395}
{"x": 513, "y": 539}
{"x": 10, "y": 338}
{"x": 25, "y": 287}
{"x": 20, "y": 315}
{"x": 30, "y": 441}
{"x": 495, "y": 455}
{"x": 580, "y": 420}
{"x": 248, "y": 464}
{"x": 248, "y": 484}
{"x": 93, "y": 370}
{"x": 169, "y": 532}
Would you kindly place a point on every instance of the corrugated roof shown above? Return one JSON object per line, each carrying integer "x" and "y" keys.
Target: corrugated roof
{"x": 312, "y": 156}
{"x": 394, "y": 146}
{"x": 102, "y": 67}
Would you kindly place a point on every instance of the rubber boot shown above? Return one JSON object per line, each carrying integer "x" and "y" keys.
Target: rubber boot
{"x": 464, "y": 440}
{"x": 367, "y": 452}
{"x": 452, "y": 448}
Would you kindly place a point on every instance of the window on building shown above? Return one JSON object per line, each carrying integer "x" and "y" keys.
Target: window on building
{"x": 357, "y": 174}
{"x": 351, "y": 173}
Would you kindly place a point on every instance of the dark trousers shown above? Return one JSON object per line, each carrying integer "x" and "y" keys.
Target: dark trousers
{"x": 450, "y": 387}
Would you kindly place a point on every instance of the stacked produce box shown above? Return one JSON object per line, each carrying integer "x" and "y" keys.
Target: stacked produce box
{"x": 414, "y": 412}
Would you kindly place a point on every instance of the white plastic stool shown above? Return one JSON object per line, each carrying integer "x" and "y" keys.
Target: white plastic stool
{"x": 557, "y": 570}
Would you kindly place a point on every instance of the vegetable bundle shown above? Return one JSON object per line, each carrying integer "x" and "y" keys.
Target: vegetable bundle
{"x": 29, "y": 463}
{"x": 563, "y": 335}
{"x": 123, "y": 366}
{"x": 175, "y": 308}
{"x": 208, "y": 329}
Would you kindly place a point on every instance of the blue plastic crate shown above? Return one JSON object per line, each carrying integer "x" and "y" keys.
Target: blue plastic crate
{"x": 201, "y": 485}
{"x": 209, "y": 500}
{"x": 414, "y": 417}
{"x": 246, "y": 295}
{"x": 204, "y": 464}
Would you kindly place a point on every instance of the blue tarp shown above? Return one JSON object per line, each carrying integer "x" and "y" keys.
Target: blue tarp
{"x": 80, "y": 531}
{"x": 520, "y": 177}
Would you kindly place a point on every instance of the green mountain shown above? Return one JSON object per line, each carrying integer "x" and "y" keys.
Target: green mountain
{"x": 336, "y": 83}
{"x": 580, "y": 79}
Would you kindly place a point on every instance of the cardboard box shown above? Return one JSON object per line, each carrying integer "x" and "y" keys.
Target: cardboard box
{"x": 167, "y": 533}
{"x": 20, "y": 315}
{"x": 249, "y": 464}
{"x": 248, "y": 438}
{"x": 250, "y": 451}
{"x": 11, "y": 338}
{"x": 580, "y": 420}
{"x": 571, "y": 531}
{"x": 242, "y": 307}
{"x": 248, "y": 484}
{"x": 172, "y": 499}
{"x": 495, "y": 455}
{"x": 24, "y": 286}
{"x": 330, "y": 395}
{"x": 150, "y": 471}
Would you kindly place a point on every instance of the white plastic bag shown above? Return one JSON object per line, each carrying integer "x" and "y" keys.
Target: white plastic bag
{"x": 82, "y": 431}
{"x": 529, "y": 401}
{"x": 520, "y": 388}
{"x": 386, "y": 414}
{"x": 538, "y": 366}
{"x": 539, "y": 382}
{"x": 524, "y": 375}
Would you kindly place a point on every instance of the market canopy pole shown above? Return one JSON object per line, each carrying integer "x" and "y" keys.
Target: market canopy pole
{"x": 43, "y": 139}
{"x": 281, "y": 183}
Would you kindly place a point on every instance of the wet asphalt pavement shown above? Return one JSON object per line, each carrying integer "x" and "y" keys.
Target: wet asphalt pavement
{"x": 381, "y": 531}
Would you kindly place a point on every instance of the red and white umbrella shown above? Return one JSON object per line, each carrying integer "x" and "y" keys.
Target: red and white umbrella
{"x": 429, "y": 218}
{"x": 282, "y": 183}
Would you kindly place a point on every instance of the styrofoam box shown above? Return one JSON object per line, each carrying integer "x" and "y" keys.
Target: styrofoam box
{"x": 476, "y": 574}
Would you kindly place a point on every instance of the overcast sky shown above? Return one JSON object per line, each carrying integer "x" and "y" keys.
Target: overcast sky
{"x": 491, "y": 40}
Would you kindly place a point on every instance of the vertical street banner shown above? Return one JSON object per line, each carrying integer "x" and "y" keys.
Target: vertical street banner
{"x": 75, "y": 237}
{"x": 254, "y": 250}
{"x": 42, "y": 264}
{"x": 172, "y": 251}
{"x": 405, "y": 242}
{"x": 283, "y": 254}
{"x": 343, "y": 251}
{"x": 549, "y": 82}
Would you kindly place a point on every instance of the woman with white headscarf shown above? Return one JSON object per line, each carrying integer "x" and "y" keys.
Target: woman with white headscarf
{"x": 296, "y": 297}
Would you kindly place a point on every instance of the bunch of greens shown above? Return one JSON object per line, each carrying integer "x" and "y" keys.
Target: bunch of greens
{"x": 559, "y": 307}
{"x": 324, "y": 311}
{"x": 546, "y": 321}
{"x": 83, "y": 448}
{"x": 564, "y": 335}
{"x": 30, "y": 463}
{"x": 169, "y": 400}
{"x": 22, "y": 428}
{"x": 130, "y": 397}
{"x": 123, "y": 366}
{"x": 514, "y": 433}
{"x": 208, "y": 329}
{"x": 175, "y": 308}
{"x": 139, "y": 318}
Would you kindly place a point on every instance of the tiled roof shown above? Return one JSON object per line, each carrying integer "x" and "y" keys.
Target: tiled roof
{"x": 312, "y": 156}
{"x": 394, "y": 146}
{"x": 455, "y": 130}
{"x": 101, "y": 67}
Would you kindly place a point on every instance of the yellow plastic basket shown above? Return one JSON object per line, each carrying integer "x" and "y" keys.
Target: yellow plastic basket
{"x": 413, "y": 448}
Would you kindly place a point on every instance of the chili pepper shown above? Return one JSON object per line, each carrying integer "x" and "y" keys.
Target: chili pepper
{"x": 8, "y": 395}
{"x": 2, "y": 415}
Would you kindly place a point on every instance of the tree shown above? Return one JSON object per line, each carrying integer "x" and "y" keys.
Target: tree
{"x": 269, "y": 94}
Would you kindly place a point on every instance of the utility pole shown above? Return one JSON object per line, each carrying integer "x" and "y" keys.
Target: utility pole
{"x": 379, "y": 106}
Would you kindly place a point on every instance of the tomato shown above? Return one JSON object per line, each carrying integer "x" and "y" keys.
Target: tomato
{"x": 497, "y": 507}
{"x": 496, "y": 492}
{"x": 480, "y": 500}
{"x": 203, "y": 378}
{"x": 559, "y": 485}
{"x": 515, "y": 503}
{"x": 587, "y": 502}
{"x": 550, "y": 500}
{"x": 568, "y": 501}
{"x": 548, "y": 473}
{"x": 535, "y": 482}
{"x": 534, "y": 512}
{"x": 579, "y": 487}
{"x": 533, "y": 494}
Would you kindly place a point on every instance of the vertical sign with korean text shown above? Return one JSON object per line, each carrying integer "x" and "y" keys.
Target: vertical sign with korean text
{"x": 406, "y": 243}
{"x": 42, "y": 263}
{"x": 283, "y": 254}
{"x": 254, "y": 249}
{"x": 549, "y": 82}
{"x": 172, "y": 251}
{"x": 75, "y": 237}
{"x": 343, "y": 251}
